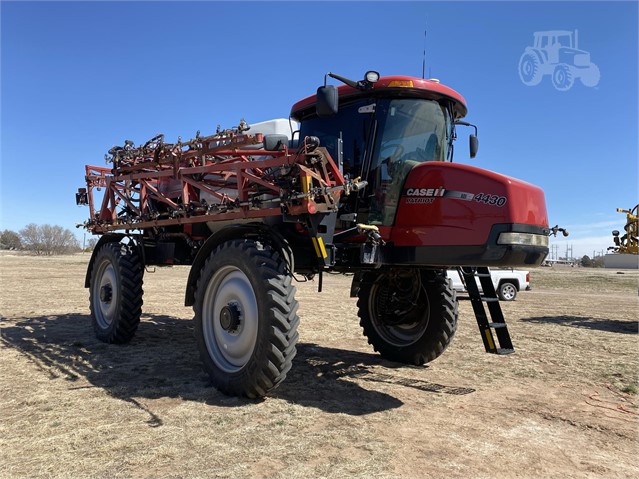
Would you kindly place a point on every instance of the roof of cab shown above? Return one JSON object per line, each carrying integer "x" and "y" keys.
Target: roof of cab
{"x": 401, "y": 85}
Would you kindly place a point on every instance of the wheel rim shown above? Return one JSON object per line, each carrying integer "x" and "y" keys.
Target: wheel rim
{"x": 403, "y": 334}
{"x": 562, "y": 78}
{"x": 106, "y": 295}
{"x": 230, "y": 319}
{"x": 508, "y": 291}
{"x": 528, "y": 69}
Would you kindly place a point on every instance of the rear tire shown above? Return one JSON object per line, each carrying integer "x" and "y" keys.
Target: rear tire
{"x": 246, "y": 318}
{"x": 507, "y": 291}
{"x": 530, "y": 69}
{"x": 115, "y": 292}
{"x": 408, "y": 316}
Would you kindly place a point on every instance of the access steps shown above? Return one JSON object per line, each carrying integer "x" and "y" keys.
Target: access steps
{"x": 494, "y": 332}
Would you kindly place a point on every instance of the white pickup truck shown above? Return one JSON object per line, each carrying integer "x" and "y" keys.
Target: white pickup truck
{"x": 507, "y": 282}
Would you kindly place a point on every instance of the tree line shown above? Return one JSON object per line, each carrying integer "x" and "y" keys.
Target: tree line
{"x": 40, "y": 240}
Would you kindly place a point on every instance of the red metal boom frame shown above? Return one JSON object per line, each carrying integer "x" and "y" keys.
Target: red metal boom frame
{"x": 306, "y": 181}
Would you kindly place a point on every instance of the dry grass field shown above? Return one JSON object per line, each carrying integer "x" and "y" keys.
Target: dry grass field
{"x": 564, "y": 405}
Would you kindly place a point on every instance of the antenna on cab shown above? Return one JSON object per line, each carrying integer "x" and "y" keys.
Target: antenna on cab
{"x": 424, "y": 57}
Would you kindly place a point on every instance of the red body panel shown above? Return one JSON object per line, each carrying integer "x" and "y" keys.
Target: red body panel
{"x": 440, "y": 205}
{"x": 420, "y": 87}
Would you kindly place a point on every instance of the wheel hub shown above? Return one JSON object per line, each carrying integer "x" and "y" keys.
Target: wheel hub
{"x": 398, "y": 299}
{"x": 230, "y": 318}
{"x": 106, "y": 293}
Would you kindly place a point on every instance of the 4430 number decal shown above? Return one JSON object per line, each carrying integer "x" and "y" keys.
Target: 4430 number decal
{"x": 426, "y": 196}
{"x": 489, "y": 199}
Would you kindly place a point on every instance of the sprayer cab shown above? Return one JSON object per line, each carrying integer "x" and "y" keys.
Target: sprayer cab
{"x": 398, "y": 134}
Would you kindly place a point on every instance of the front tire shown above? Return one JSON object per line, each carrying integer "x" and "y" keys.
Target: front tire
{"x": 408, "y": 316}
{"x": 246, "y": 318}
{"x": 115, "y": 292}
{"x": 563, "y": 77}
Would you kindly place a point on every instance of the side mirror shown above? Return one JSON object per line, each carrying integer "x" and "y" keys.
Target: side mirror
{"x": 474, "y": 145}
{"x": 327, "y": 101}
{"x": 275, "y": 142}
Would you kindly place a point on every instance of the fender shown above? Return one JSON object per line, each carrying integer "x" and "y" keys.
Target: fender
{"x": 541, "y": 55}
{"x": 229, "y": 233}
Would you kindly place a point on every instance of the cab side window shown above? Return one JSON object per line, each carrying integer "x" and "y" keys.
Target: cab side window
{"x": 349, "y": 124}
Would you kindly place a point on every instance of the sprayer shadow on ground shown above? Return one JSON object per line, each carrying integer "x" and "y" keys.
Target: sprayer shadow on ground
{"x": 607, "y": 325}
{"x": 162, "y": 361}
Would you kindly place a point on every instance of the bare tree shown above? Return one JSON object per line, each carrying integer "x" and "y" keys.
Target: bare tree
{"x": 48, "y": 239}
{"x": 10, "y": 240}
{"x": 31, "y": 236}
{"x": 91, "y": 242}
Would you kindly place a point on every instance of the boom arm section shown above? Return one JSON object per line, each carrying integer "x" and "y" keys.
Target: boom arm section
{"x": 226, "y": 176}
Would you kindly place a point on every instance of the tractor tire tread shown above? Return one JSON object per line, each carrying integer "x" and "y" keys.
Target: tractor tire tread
{"x": 429, "y": 346}
{"x": 274, "y": 351}
{"x": 130, "y": 273}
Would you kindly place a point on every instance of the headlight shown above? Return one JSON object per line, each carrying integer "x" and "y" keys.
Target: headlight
{"x": 526, "y": 239}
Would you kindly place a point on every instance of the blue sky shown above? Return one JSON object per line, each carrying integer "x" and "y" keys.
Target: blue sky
{"x": 78, "y": 78}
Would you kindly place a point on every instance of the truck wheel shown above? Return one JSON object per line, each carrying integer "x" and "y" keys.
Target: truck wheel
{"x": 246, "y": 318}
{"x": 115, "y": 292}
{"x": 408, "y": 316}
{"x": 507, "y": 292}
{"x": 562, "y": 77}
{"x": 530, "y": 69}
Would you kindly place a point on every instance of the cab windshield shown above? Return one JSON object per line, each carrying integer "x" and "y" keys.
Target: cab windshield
{"x": 410, "y": 131}
{"x": 416, "y": 130}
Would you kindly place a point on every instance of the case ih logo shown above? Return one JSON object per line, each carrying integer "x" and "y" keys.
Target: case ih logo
{"x": 427, "y": 195}
{"x": 437, "y": 193}
{"x": 556, "y": 53}
{"x": 425, "y": 192}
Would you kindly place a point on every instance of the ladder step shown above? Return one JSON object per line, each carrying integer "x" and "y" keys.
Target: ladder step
{"x": 489, "y": 300}
{"x": 482, "y": 298}
{"x": 501, "y": 344}
{"x": 496, "y": 325}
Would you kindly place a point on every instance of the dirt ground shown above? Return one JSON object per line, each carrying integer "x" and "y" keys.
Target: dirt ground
{"x": 564, "y": 405}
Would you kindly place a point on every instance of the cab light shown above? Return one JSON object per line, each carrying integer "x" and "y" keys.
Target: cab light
{"x": 371, "y": 76}
{"x": 526, "y": 239}
{"x": 401, "y": 83}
